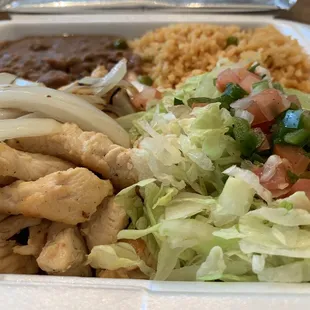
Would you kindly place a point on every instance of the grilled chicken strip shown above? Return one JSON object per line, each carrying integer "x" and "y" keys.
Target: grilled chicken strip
{"x": 6, "y": 180}
{"x": 36, "y": 241}
{"x": 14, "y": 263}
{"x": 65, "y": 252}
{"x": 14, "y": 224}
{"x": 88, "y": 149}
{"x": 28, "y": 166}
{"x": 3, "y": 216}
{"x": 70, "y": 196}
{"x": 105, "y": 224}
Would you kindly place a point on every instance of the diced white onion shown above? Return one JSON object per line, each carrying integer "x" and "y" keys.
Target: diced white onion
{"x": 17, "y": 128}
{"x": 245, "y": 115}
{"x": 270, "y": 167}
{"x": 242, "y": 104}
{"x": 11, "y": 113}
{"x": 250, "y": 178}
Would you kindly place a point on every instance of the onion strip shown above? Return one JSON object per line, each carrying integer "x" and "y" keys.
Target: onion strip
{"x": 11, "y": 113}
{"x": 64, "y": 108}
{"x": 17, "y": 128}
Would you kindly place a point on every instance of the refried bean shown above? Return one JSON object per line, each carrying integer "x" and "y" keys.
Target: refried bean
{"x": 58, "y": 60}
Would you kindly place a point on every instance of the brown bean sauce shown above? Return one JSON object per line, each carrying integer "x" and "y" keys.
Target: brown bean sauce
{"x": 59, "y": 60}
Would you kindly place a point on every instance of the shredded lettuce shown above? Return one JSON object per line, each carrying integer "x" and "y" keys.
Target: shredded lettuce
{"x": 202, "y": 212}
{"x": 116, "y": 256}
{"x": 303, "y": 97}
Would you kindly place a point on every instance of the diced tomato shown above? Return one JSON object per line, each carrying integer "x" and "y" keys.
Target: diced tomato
{"x": 240, "y": 76}
{"x": 302, "y": 185}
{"x": 281, "y": 193}
{"x": 241, "y": 73}
{"x": 279, "y": 181}
{"x": 265, "y": 127}
{"x": 259, "y": 117}
{"x": 141, "y": 99}
{"x": 270, "y": 103}
{"x": 248, "y": 81}
{"x": 278, "y": 184}
{"x": 226, "y": 77}
{"x": 295, "y": 155}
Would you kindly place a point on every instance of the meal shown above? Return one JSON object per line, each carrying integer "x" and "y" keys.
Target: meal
{"x": 209, "y": 181}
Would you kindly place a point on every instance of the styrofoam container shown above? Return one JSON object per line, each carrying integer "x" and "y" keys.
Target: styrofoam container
{"x": 48, "y": 292}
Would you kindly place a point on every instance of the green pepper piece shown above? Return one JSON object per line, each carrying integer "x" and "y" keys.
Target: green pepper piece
{"x": 278, "y": 86}
{"x": 279, "y": 131}
{"x": 293, "y": 178}
{"x": 120, "y": 44}
{"x": 248, "y": 144}
{"x": 145, "y": 79}
{"x": 292, "y": 119}
{"x": 305, "y": 120}
{"x": 294, "y": 106}
{"x": 257, "y": 158}
{"x": 214, "y": 81}
{"x": 232, "y": 93}
{"x": 245, "y": 136}
{"x": 298, "y": 137}
{"x": 240, "y": 127}
{"x": 232, "y": 40}
{"x": 260, "y": 86}
{"x": 177, "y": 101}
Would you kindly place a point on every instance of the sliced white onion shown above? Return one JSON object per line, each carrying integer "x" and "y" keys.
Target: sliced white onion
{"x": 270, "y": 167}
{"x": 245, "y": 115}
{"x": 65, "y": 108}
{"x": 116, "y": 74}
{"x": 7, "y": 79}
{"x": 17, "y": 128}
{"x": 252, "y": 179}
{"x": 11, "y": 113}
{"x": 34, "y": 115}
{"x": 243, "y": 103}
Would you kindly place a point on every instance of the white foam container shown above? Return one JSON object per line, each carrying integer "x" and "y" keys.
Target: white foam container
{"x": 47, "y": 292}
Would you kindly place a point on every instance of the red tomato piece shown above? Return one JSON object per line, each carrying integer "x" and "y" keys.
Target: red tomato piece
{"x": 278, "y": 184}
{"x": 295, "y": 155}
{"x": 270, "y": 103}
{"x": 302, "y": 185}
{"x": 226, "y": 77}
{"x": 248, "y": 81}
{"x": 265, "y": 127}
{"x": 259, "y": 117}
{"x": 141, "y": 99}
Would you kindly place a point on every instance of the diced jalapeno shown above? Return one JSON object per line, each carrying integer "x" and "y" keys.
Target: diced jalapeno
{"x": 298, "y": 137}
